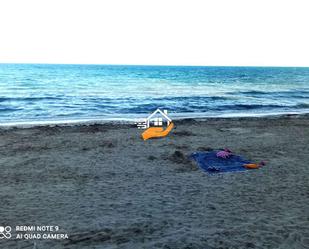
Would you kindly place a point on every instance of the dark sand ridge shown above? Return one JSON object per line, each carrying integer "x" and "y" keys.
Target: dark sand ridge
{"x": 107, "y": 188}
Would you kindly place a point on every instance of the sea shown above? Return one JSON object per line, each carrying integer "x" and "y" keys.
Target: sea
{"x": 61, "y": 93}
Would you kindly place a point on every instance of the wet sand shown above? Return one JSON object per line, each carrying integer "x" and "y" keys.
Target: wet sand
{"x": 107, "y": 188}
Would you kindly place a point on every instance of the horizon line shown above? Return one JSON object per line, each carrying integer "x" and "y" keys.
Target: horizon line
{"x": 150, "y": 65}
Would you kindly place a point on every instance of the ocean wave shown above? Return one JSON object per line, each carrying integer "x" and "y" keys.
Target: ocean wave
{"x": 248, "y": 107}
{"x": 9, "y": 109}
{"x": 302, "y": 105}
{"x": 286, "y": 94}
{"x": 24, "y": 99}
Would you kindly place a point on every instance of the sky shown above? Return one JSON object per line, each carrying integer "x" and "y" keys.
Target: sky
{"x": 155, "y": 32}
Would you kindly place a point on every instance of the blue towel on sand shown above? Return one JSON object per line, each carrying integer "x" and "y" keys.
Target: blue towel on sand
{"x": 209, "y": 162}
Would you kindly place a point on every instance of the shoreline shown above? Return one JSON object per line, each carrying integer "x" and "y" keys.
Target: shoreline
{"x": 131, "y": 121}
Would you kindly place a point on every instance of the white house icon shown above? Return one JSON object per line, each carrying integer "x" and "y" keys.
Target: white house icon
{"x": 159, "y": 120}
{"x": 152, "y": 120}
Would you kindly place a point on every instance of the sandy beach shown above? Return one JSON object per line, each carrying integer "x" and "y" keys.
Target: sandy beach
{"x": 107, "y": 188}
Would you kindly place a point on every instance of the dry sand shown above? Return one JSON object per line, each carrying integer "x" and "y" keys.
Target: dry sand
{"x": 107, "y": 188}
